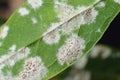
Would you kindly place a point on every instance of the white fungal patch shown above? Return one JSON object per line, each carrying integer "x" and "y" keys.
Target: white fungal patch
{"x": 23, "y": 53}
{"x": 12, "y": 57}
{"x": 81, "y": 63}
{"x": 35, "y": 3}
{"x": 52, "y": 37}
{"x": 12, "y": 48}
{"x": 20, "y": 54}
{"x": 4, "y": 32}
{"x": 23, "y": 11}
{"x": 101, "y": 4}
{"x": 34, "y": 20}
{"x": 117, "y": 1}
{"x": 5, "y": 58}
{"x": 71, "y": 51}
{"x": 99, "y": 30}
{"x": 71, "y": 18}
{"x": 66, "y": 11}
{"x": 90, "y": 15}
{"x": 34, "y": 69}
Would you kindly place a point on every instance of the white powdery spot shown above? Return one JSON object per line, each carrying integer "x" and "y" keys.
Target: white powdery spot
{"x": 101, "y": 4}
{"x": 52, "y": 37}
{"x": 72, "y": 18}
{"x": 23, "y": 53}
{"x": 4, "y": 32}
{"x": 99, "y": 30}
{"x": 117, "y": 1}
{"x": 23, "y": 11}
{"x": 34, "y": 20}
{"x": 34, "y": 69}
{"x": 81, "y": 63}
{"x": 71, "y": 51}
{"x": 20, "y": 54}
{"x": 12, "y": 48}
{"x": 35, "y": 3}
{"x": 2, "y": 66}
{"x": 90, "y": 15}
{"x": 73, "y": 24}
{"x": 4, "y": 58}
{"x": 12, "y": 57}
{"x": 66, "y": 11}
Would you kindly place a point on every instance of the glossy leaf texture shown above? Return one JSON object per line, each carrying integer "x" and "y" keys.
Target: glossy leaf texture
{"x": 44, "y": 37}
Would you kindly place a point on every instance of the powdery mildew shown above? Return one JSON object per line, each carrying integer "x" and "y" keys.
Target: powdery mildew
{"x": 117, "y": 1}
{"x": 71, "y": 51}
{"x": 23, "y": 11}
{"x": 4, "y": 32}
{"x": 90, "y": 15}
{"x": 12, "y": 48}
{"x": 34, "y": 20}
{"x": 11, "y": 58}
{"x": 101, "y": 4}
{"x": 99, "y": 30}
{"x": 34, "y": 69}
{"x": 23, "y": 53}
{"x": 66, "y": 12}
{"x": 52, "y": 38}
{"x": 71, "y": 18}
{"x": 35, "y": 3}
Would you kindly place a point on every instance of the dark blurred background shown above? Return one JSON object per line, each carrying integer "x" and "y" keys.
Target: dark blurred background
{"x": 112, "y": 35}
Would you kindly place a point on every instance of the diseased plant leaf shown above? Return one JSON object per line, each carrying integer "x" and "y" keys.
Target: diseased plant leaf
{"x": 43, "y": 38}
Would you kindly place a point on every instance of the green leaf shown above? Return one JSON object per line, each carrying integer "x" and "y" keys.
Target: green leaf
{"x": 41, "y": 39}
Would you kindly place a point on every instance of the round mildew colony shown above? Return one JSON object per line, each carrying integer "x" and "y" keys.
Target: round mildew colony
{"x": 4, "y": 32}
{"x": 35, "y": 3}
{"x": 117, "y": 1}
{"x": 34, "y": 20}
{"x": 12, "y": 48}
{"x": 12, "y": 57}
{"x": 23, "y": 11}
{"x": 71, "y": 50}
{"x": 52, "y": 37}
{"x": 34, "y": 69}
{"x": 101, "y": 4}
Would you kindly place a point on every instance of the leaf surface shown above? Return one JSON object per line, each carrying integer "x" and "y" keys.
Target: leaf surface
{"x": 53, "y": 34}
